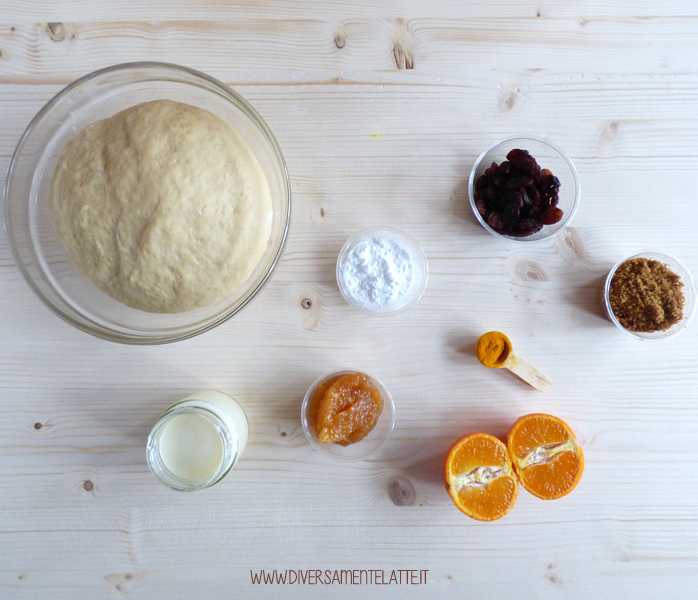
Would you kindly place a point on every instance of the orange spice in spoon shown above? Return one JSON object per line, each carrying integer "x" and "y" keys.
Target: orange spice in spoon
{"x": 494, "y": 350}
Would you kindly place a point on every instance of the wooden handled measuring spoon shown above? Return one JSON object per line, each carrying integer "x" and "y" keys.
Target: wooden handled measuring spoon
{"x": 494, "y": 350}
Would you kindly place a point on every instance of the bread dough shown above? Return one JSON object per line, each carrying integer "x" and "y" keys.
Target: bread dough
{"x": 162, "y": 206}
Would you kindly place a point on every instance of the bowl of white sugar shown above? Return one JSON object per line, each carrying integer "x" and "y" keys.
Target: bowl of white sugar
{"x": 382, "y": 271}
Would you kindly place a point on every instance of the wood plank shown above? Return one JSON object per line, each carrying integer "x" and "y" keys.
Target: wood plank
{"x": 215, "y": 9}
{"x": 294, "y": 50}
{"x": 369, "y": 142}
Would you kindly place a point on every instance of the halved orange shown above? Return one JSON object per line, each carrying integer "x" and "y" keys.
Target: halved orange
{"x": 479, "y": 477}
{"x": 546, "y": 456}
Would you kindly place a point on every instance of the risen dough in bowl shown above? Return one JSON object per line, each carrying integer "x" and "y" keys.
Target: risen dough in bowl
{"x": 162, "y": 206}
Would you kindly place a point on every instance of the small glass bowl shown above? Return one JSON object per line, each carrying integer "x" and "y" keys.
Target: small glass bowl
{"x": 549, "y": 156}
{"x": 689, "y": 292}
{"x": 364, "y": 447}
{"x": 420, "y": 269}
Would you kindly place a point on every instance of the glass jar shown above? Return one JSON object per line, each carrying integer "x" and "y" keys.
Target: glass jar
{"x": 197, "y": 441}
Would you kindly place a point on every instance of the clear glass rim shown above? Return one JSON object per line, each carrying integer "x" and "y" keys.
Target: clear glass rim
{"x": 229, "y": 439}
{"x": 688, "y": 285}
{"x": 98, "y": 330}
{"x": 387, "y": 400}
{"x": 575, "y": 177}
{"x": 421, "y": 256}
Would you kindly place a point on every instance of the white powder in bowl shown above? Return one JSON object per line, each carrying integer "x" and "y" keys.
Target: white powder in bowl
{"x": 377, "y": 272}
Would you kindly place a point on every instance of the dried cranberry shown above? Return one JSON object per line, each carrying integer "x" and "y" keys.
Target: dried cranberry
{"x": 481, "y": 208}
{"x": 511, "y": 197}
{"x": 516, "y": 152}
{"x": 534, "y": 210}
{"x": 521, "y": 161}
{"x": 527, "y": 164}
{"x": 497, "y": 179}
{"x": 491, "y": 169}
{"x": 525, "y": 198}
{"x": 510, "y": 214}
{"x": 534, "y": 194}
{"x": 524, "y": 224}
{"x": 504, "y": 167}
{"x": 495, "y": 220}
{"x": 551, "y": 216}
{"x": 520, "y": 181}
{"x": 481, "y": 183}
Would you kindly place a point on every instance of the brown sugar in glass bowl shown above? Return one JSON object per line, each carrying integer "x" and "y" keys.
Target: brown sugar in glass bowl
{"x": 650, "y": 295}
{"x": 646, "y": 296}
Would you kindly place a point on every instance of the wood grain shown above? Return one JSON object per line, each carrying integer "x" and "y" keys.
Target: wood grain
{"x": 380, "y": 108}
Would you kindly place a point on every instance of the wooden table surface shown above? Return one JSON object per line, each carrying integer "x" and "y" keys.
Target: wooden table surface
{"x": 380, "y": 108}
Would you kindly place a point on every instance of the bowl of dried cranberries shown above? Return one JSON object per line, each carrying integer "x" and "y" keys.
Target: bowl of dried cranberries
{"x": 524, "y": 189}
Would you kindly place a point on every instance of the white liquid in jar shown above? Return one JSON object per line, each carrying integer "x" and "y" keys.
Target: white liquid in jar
{"x": 198, "y": 440}
{"x": 190, "y": 447}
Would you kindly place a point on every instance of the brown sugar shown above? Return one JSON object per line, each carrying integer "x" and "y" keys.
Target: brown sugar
{"x": 646, "y": 296}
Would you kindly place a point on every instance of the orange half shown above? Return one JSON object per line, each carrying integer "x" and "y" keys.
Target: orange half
{"x": 546, "y": 456}
{"x": 479, "y": 477}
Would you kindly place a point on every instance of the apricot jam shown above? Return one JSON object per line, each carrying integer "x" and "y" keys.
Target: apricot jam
{"x": 345, "y": 409}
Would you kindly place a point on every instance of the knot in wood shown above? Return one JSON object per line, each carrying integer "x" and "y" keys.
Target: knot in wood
{"x": 56, "y": 31}
{"x": 526, "y": 270}
{"x": 88, "y": 485}
{"x": 401, "y": 491}
{"x": 307, "y": 303}
{"x": 403, "y": 56}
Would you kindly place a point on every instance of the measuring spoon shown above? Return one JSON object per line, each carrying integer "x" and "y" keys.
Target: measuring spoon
{"x": 508, "y": 360}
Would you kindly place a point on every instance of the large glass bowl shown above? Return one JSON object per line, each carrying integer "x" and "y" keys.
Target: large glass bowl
{"x": 40, "y": 254}
{"x": 550, "y": 157}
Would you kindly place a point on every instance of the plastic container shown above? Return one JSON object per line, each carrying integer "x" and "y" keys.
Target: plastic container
{"x": 689, "y": 292}
{"x": 420, "y": 270}
{"x": 364, "y": 447}
{"x": 549, "y": 156}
